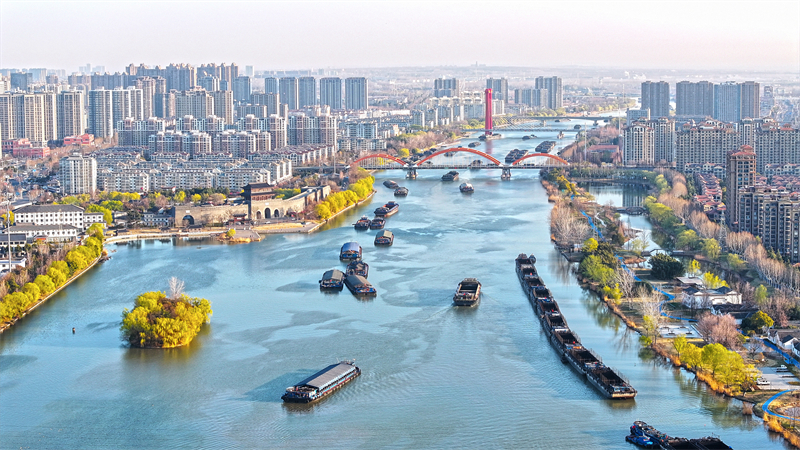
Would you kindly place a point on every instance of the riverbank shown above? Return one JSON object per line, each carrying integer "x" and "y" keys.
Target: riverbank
{"x": 6, "y": 325}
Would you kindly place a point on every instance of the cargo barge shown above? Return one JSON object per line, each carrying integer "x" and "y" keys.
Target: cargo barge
{"x": 377, "y": 223}
{"x": 332, "y": 280}
{"x": 322, "y": 383}
{"x": 468, "y": 292}
{"x": 668, "y": 442}
{"x": 514, "y": 155}
{"x": 565, "y": 341}
{"x": 466, "y": 188}
{"x": 545, "y": 146}
{"x": 450, "y": 176}
{"x": 359, "y": 286}
{"x": 362, "y": 223}
{"x": 401, "y": 191}
{"x": 358, "y": 268}
{"x": 391, "y": 184}
{"x": 350, "y": 251}
{"x": 385, "y": 238}
{"x": 388, "y": 209}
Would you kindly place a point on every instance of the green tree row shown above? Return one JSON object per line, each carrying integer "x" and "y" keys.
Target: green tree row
{"x": 160, "y": 322}
{"x": 725, "y": 366}
{"x": 13, "y": 305}
{"x": 340, "y": 200}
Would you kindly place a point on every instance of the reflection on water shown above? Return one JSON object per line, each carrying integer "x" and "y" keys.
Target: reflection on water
{"x": 434, "y": 376}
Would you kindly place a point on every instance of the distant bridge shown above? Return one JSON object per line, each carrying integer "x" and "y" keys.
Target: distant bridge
{"x": 459, "y": 158}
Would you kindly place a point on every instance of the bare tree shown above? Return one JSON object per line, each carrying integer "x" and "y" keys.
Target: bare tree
{"x": 176, "y": 288}
{"x": 624, "y": 278}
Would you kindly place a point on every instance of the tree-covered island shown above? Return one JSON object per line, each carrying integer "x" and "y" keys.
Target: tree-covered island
{"x": 159, "y": 320}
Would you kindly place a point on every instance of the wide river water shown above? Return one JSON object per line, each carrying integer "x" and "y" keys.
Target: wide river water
{"x": 434, "y": 376}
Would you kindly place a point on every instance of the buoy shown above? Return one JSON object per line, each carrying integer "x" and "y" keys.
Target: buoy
{"x": 73, "y": 330}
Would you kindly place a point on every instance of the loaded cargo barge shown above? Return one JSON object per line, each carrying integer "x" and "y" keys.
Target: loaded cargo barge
{"x": 566, "y": 342}
{"x": 322, "y": 383}
{"x": 667, "y": 442}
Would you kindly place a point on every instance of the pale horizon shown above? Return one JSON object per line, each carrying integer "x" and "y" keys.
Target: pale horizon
{"x": 739, "y": 37}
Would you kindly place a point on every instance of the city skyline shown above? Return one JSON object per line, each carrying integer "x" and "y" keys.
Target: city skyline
{"x": 744, "y": 35}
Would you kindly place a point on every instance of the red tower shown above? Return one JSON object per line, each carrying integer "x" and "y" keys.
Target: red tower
{"x": 488, "y": 124}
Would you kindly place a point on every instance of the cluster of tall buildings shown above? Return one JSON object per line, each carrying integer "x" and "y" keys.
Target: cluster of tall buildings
{"x": 104, "y": 104}
{"x": 727, "y": 102}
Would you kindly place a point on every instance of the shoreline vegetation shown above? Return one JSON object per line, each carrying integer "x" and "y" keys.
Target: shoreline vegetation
{"x": 47, "y": 273}
{"x": 713, "y": 359}
{"x": 159, "y": 320}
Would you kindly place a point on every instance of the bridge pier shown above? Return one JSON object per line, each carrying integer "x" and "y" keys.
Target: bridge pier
{"x": 506, "y": 175}
{"x": 411, "y": 174}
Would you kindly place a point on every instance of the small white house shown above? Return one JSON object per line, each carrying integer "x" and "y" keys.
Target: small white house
{"x": 705, "y": 298}
{"x": 784, "y": 338}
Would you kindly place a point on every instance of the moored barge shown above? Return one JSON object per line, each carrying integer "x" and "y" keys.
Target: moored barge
{"x": 322, "y": 383}
{"x": 468, "y": 292}
{"x": 332, "y": 280}
{"x": 359, "y": 286}
{"x": 565, "y": 341}
{"x": 350, "y": 251}
{"x": 385, "y": 237}
{"x": 362, "y": 223}
{"x": 358, "y": 268}
{"x": 388, "y": 209}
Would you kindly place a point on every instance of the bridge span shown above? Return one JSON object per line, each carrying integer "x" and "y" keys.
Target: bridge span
{"x": 454, "y": 158}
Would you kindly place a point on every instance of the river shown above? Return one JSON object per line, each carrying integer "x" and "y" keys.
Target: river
{"x": 434, "y": 376}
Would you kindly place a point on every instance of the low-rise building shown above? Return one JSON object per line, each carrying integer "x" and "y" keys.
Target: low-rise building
{"x": 51, "y": 233}
{"x": 705, "y": 298}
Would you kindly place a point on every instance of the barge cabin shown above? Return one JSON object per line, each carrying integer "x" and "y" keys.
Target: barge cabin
{"x": 322, "y": 383}
{"x": 332, "y": 280}
{"x": 351, "y": 251}
{"x": 362, "y": 223}
{"x": 385, "y": 237}
{"x": 450, "y": 176}
{"x": 468, "y": 292}
{"x": 359, "y": 286}
{"x": 358, "y": 268}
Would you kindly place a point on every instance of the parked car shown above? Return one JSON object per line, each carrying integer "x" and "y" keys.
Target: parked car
{"x": 762, "y": 382}
{"x": 782, "y": 369}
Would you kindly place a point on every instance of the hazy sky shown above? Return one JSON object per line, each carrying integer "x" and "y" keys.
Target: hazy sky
{"x": 743, "y": 35}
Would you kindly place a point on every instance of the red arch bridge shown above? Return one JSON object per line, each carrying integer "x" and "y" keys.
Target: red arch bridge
{"x": 460, "y": 158}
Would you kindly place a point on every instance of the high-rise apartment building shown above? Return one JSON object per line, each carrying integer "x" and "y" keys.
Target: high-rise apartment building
{"x": 208, "y": 82}
{"x": 21, "y": 81}
{"x": 33, "y": 116}
{"x": 663, "y": 139}
{"x": 241, "y": 88}
{"x": 276, "y": 126}
{"x": 740, "y": 173}
{"x": 751, "y": 100}
{"x": 728, "y": 102}
{"x": 694, "y": 99}
{"x": 535, "y": 98}
{"x": 499, "y": 87}
{"x": 270, "y": 100}
{"x": 71, "y": 106}
{"x": 639, "y": 144}
{"x": 306, "y": 91}
{"x": 446, "y": 87}
{"x": 655, "y": 97}
{"x": 288, "y": 91}
{"x": 773, "y": 216}
{"x": 555, "y": 91}
{"x": 148, "y": 87}
{"x": 223, "y": 105}
{"x": 181, "y": 77}
{"x": 356, "y": 93}
{"x": 137, "y": 133}
{"x": 330, "y": 92}
{"x": 78, "y": 174}
{"x": 271, "y": 85}
{"x": 195, "y": 102}
{"x": 101, "y": 114}
{"x": 50, "y": 112}
{"x": 706, "y": 142}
